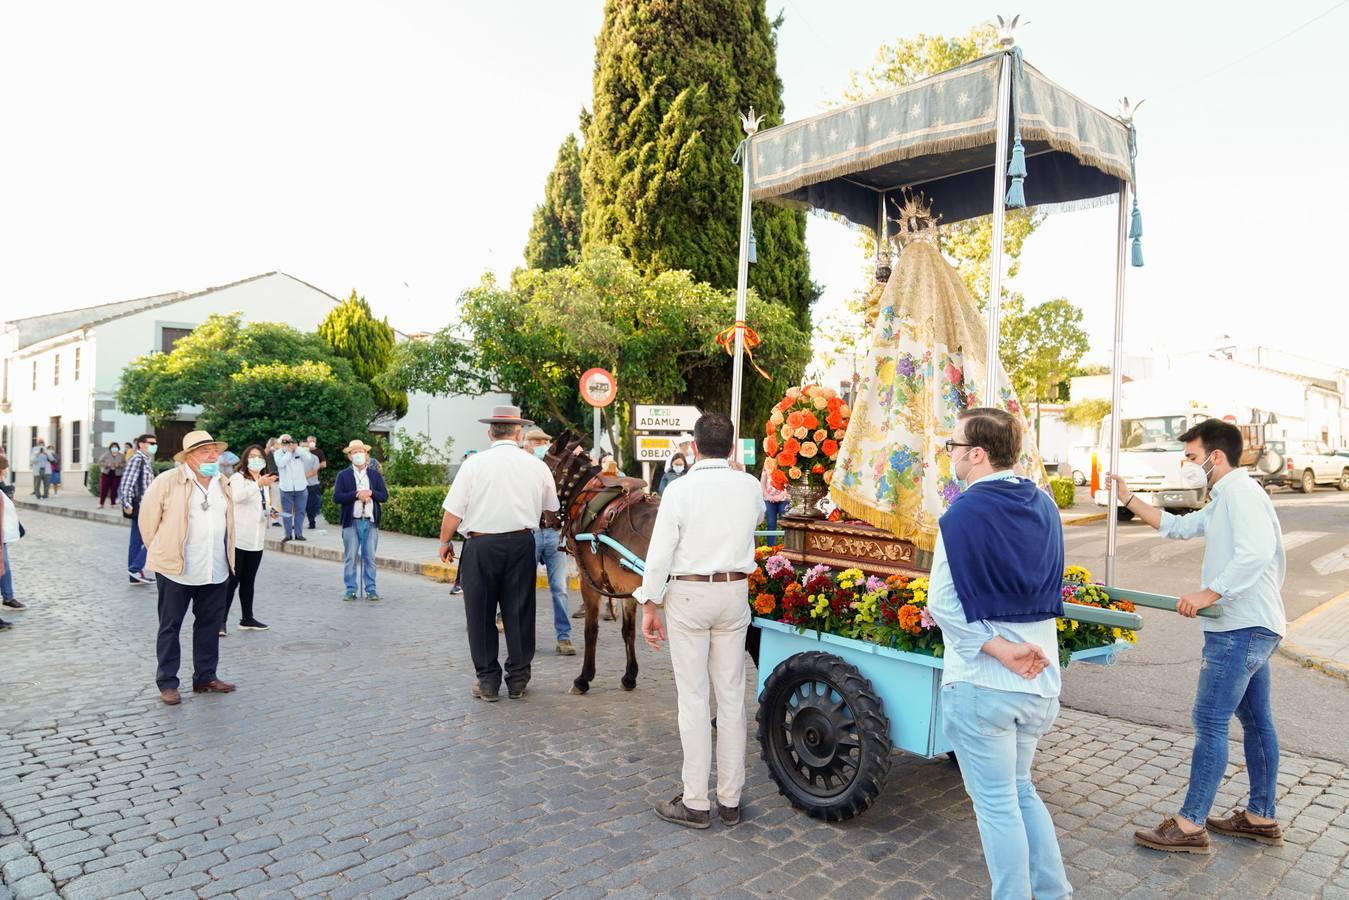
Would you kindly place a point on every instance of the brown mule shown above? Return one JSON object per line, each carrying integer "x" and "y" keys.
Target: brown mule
{"x": 619, "y": 508}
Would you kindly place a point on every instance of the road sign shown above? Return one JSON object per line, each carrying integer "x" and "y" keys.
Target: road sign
{"x": 747, "y": 451}
{"x": 598, "y": 388}
{"x": 654, "y": 447}
{"x": 665, "y": 418}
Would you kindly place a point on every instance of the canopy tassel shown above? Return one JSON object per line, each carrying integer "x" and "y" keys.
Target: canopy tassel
{"x": 1126, "y": 116}
{"x": 1016, "y": 194}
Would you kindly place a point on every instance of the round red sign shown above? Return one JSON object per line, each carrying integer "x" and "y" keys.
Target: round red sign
{"x": 598, "y": 387}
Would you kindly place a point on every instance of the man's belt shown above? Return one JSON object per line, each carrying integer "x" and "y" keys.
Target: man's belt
{"x": 478, "y": 534}
{"x": 716, "y": 576}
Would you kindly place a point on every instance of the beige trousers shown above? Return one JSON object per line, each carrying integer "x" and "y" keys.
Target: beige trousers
{"x": 706, "y": 624}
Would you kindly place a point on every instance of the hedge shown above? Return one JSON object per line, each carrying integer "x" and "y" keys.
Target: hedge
{"x": 1065, "y": 492}
{"x": 410, "y": 510}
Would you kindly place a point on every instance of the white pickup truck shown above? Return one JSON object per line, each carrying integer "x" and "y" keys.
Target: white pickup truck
{"x": 1307, "y": 464}
{"x": 1151, "y": 459}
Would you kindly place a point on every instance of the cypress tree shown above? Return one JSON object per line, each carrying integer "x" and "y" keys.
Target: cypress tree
{"x": 354, "y": 333}
{"x": 659, "y": 183}
{"x": 555, "y": 235}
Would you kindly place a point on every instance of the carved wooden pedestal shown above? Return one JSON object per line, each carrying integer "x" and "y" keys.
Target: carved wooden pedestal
{"x": 844, "y": 545}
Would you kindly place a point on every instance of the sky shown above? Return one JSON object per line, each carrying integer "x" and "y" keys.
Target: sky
{"x": 400, "y": 148}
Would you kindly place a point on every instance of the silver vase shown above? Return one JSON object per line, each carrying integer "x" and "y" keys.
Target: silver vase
{"x": 806, "y": 499}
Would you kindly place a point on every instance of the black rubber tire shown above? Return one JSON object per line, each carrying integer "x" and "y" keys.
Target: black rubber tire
{"x": 845, "y": 723}
{"x": 1343, "y": 483}
{"x": 1079, "y": 479}
{"x": 1307, "y": 483}
{"x": 1123, "y": 514}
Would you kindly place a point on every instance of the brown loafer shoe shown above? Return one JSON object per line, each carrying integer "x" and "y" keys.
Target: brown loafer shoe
{"x": 1238, "y": 825}
{"x": 729, "y": 815}
{"x": 566, "y": 648}
{"x": 1169, "y": 837}
{"x": 213, "y": 687}
{"x": 675, "y": 811}
{"x": 170, "y": 697}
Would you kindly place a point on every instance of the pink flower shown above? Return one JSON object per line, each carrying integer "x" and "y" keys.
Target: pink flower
{"x": 778, "y": 565}
{"x": 926, "y": 620}
{"x": 875, "y": 584}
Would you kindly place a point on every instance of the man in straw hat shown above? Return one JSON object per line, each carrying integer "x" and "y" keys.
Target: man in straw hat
{"x": 188, "y": 525}
{"x": 548, "y": 551}
{"x": 497, "y": 501}
{"x": 359, "y": 490}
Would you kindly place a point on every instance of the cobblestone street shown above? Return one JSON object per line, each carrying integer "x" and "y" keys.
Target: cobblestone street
{"x": 352, "y": 762}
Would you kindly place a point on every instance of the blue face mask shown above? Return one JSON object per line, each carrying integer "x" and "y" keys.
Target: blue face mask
{"x": 150, "y": 449}
{"x": 540, "y": 452}
{"x": 210, "y": 470}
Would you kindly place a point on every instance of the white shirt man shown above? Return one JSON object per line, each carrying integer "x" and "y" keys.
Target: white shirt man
{"x": 293, "y": 462}
{"x": 703, "y": 544}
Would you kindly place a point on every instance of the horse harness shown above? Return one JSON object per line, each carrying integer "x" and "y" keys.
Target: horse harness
{"x": 595, "y": 508}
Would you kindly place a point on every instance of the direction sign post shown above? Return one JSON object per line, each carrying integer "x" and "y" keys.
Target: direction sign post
{"x": 599, "y": 389}
{"x": 653, "y": 417}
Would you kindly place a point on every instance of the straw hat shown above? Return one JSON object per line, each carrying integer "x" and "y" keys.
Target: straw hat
{"x": 356, "y": 445}
{"x": 195, "y": 440}
{"x": 506, "y": 415}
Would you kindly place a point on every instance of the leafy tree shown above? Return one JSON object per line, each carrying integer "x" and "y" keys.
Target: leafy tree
{"x": 657, "y": 335}
{"x": 259, "y": 402}
{"x": 1091, "y": 369}
{"x": 411, "y": 459}
{"x": 353, "y": 332}
{"x": 555, "y": 235}
{"x": 1086, "y": 413}
{"x": 200, "y": 365}
{"x": 1040, "y": 348}
{"x": 659, "y": 182}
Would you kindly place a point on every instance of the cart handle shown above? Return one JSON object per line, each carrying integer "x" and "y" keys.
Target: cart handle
{"x": 1158, "y": 601}
{"x": 1096, "y": 615}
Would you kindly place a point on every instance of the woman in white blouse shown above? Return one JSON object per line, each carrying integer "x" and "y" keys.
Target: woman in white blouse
{"x": 253, "y": 510}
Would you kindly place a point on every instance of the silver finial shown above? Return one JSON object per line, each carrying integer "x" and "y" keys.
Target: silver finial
{"x": 1128, "y": 110}
{"x": 750, "y": 122}
{"x": 1007, "y": 31}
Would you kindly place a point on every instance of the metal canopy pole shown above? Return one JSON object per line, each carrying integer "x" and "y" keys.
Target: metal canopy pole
{"x": 999, "y": 213}
{"x": 751, "y": 125}
{"x": 1116, "y": 379}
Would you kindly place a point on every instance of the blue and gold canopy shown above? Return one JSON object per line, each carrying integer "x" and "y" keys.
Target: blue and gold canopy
{"x": 938, "y": 136}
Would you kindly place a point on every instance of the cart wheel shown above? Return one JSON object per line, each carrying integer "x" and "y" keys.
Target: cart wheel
{"x": 824, "y": 735}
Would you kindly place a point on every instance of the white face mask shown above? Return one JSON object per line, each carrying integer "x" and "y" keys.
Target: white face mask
{"x": 358, "y": 458}
{"x": 257, "y": 464}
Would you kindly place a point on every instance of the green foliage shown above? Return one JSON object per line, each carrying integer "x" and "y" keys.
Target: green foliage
{"x": 92, "y": 482}
{"x": 1040, "y": 348}
{"x": 1086, "y": 413}
{"x": 414, "y": 460}
{"x": 264, "y": 401}
{"x": 1065, "y": 492}
{"x": 409, "y": 510}
{"x": 659, "y": 183}
{"x": 657, "y": 335}
{"x": 555, "y": 235}
{"x": 353, "y": 333}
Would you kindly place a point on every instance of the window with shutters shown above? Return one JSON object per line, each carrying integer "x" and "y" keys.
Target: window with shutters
{"x": 169, "y": 337}
{"x": 77, "y": 363}
{"x": 56, "y": 369}
{"x": 75, "y": 451}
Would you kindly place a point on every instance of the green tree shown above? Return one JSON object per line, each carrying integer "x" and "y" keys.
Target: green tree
{"x": 657, "y": 335}
{"x": 1040, "y": 348}
{"x": 353, "y": 332}
{"x": 659, "y": 182}
{"x": 555, "y": 235}
{"x": 1087, "y": 413}
{"x": 199, "y": 367}
{"x": 259, "y": 402}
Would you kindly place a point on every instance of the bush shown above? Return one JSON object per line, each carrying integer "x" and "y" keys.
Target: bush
{"x": 410, "y": 510}
{"x": 414, "y": 461}
{"x": 1065, "y": 492}
{"x": 92, "y": 479}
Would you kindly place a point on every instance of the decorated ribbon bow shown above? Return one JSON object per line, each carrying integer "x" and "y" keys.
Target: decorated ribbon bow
{"x": 752, "y": 340}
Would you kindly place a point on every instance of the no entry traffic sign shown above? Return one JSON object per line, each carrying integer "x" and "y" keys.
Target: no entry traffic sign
{"x": 598, "y": 388}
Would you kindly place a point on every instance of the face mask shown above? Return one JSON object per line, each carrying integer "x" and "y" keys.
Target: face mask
{"x": 150, "y": 449}
{"x": 679, "y": 470}
{"x": 1208, "y": 470}
{"x": 210, "y": 470}
{"x": 689, "y": 456}
{"x": 257, "y": 464}
{"x": 114, "y": 449}
{"x": 540, "y": 452}
{"x": 358, "y": 458}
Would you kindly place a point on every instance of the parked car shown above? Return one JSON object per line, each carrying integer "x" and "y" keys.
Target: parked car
{"x": 1309, "y": 463}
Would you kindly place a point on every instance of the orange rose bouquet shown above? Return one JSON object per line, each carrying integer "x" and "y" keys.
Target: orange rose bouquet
{"x": 803, "y": 435}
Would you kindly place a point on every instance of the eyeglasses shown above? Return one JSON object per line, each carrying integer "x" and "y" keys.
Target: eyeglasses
{"x": 952, "y": 445}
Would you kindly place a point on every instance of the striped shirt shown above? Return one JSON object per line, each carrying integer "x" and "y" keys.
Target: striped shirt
{"x": 964, "y": 659}
{"x": 136, "y": 478}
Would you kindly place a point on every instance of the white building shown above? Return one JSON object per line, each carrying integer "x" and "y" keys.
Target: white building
{"x": 61, "y": 371}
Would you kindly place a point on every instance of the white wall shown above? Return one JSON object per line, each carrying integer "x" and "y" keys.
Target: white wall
{"x": 452, "y": 417}
{"x": 71, "y": 399}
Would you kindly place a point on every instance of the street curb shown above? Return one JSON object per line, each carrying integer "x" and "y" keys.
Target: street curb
{"x": 1084, "y": 519}
{"x": 1306, "y": 658}
{"x": 433, "y": 569}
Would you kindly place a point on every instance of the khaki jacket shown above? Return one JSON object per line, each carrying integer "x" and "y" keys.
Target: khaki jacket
{"x": 163, "y": 520}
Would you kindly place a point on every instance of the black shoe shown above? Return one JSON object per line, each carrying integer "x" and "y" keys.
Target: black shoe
{"x": 301, "y": 539}
{"x": 11, "y": 603}
{"x": 5, "y": 626}
{"x": 251, "y": 625}
{"x": 286, "y": 540}
{"x": 488, "y": 696}
{"x": 456, "y": 589}
{"x": 516, "y": 693}
{"x": 730, "y": 815}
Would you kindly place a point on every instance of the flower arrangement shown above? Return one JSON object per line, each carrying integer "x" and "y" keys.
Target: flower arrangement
{"x": 803, "y": 435}
{"x": 893, "y": 611}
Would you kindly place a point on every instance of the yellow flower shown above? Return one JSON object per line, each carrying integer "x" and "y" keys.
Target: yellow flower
{"x": 886, "y": 375}
{"x": 777, "y": 417}
{"x": 786, "y": 432}
{"x": 820, "y": 402}
{"x": 808, "y": 449}
{"x": 770, "y": 464}
{"x": 828, "y": 476}
{"x": 794, "y": 393}
{"x": 801, "y": 432}
{"x": 793, "y": 473}
{"x": 1062, "y": 625}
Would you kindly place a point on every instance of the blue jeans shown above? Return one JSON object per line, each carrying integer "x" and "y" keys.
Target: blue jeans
{"x": 548, "y": 550}
{"x": 351, "y": 542}
{"x": 292, "y": 510}
{"x": 135, "y": 551}
{"x": 773, "y": 509}
{"x": 1234, "y": 678}
{"x": 7, "y": 579}
{"x": 994, "y": 734}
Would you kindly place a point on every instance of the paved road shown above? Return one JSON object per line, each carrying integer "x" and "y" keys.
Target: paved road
{"x": 1312, "y": 709}
{"x": 352, "y": 762}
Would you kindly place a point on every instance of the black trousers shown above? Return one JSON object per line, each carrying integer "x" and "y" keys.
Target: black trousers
{"x": 311, "y": 504}
{"x": 208, "y": 614}
{"x": 497, "y": 571}
{"x": 246, "y": 564}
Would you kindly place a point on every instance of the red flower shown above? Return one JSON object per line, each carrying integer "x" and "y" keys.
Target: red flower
{"x": 830, "y": 448}
{"x": 792, "y": 446}
{"x": 786, "y": 459}
{"x": 770, "y": 446}
{"x": 779, "y": 479}
{"x": 834, "y": 419}
{"x": 817, "y": 469}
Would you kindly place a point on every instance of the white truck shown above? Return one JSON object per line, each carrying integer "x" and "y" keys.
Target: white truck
{"x": 1151, "y": 460}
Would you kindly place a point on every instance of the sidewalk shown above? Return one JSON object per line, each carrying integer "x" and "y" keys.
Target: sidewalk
{"x": 397, "y": 552}
{"x": 1320, "y": 638}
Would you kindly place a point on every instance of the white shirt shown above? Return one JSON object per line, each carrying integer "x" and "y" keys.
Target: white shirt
{"x": 11, "y": 533}
{"x": 250, "y": 512}
{"x": 292, "y": 468}
{"x": 501, "y": 489}
{"x": 360, "y": 509}
{"x": 1243, "y": 553}
{"x": 705, "y": 525}
{"x": 963, "y": 658}
{"x": 204, "y": 559}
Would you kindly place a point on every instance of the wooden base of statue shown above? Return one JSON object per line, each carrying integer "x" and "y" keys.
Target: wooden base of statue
{"x": 848, "y": 545}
